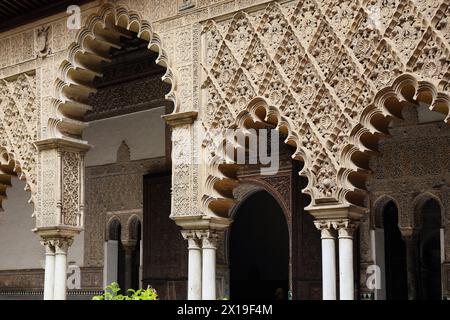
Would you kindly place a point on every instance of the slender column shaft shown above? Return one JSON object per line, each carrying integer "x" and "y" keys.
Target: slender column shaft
{"x": 111, "y": 262}
{"x": 328, "y": 266}
{"x": 194, "y": 265}
{"x": 347, "y": 291}
{"x": 49, "y": 280}
{"x": 195, "y": 274}
{"x": 60, "y": 285}
{"x": 209, "y": 274}
{"x": 209, "y": 245}
{"x": 346, "y": 277}
{"x": 328, "y": 260}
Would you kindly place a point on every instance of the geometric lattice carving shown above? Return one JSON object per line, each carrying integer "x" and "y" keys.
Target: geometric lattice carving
{"x": 325, "y": 70}
{"x": 71, "y": 177}
{"x": 18, "y": 130}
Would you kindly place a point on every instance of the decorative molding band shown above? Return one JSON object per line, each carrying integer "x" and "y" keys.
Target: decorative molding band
{"x": 58, "y": 143}
{"x": 181, "y": 118}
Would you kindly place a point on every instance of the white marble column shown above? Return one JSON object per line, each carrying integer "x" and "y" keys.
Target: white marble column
{"x": 111, "y": 262}
{"x": 61, "y": 249}
{"x": 49, "y": 280}
{"x": 328, "y": 259}
{"x": 209, "y": 246}
{"x": 378, "y": 256}
{"x": 346, "y": 277}
{"x": 194, "y": 265}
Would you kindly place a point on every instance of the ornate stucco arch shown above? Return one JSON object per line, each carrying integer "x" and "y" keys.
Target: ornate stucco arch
{"x": 373, "y": 125}
{"x": 101, "y": 32}
{"x": 221, "y": 178}
{"x": 60, "y": 205}
{"x": 337, "y": 83}
{"x": 18, "y": 130}
{"x": 9, "y": 168}
{"x": 62, "y": 148}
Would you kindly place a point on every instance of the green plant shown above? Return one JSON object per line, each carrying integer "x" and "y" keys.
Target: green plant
{"x": 112, "y": 293}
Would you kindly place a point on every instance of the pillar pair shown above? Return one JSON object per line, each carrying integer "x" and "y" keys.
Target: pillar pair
{"x": 202, "y": 247}
{"x": 345, "y": 229}
{"x": 55, "y": 286}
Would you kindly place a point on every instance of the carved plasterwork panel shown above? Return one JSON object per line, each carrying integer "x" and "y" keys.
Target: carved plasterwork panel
{"x": 323, "y": 67}
{"x": 184, "y": 172}
{"x": 323, "y": 83}
{"x": 71, "y": 188}
{"x": 19, "y": 122}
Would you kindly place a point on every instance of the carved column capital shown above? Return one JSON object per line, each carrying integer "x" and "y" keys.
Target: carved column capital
{"x": 209, "y": 239}
{"x": 326, "y": 228}
{"x": 192, "y": 239}
{"x": 345, "y": 228}
{"x": 61, "y": 245}
{"x": 49, "y": 247}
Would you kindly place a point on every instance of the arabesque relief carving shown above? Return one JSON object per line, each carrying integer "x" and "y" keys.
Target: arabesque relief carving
{"x": 326, "y": 73}
{"x": 19, "y": 118}
{"x": 329, "y": 88}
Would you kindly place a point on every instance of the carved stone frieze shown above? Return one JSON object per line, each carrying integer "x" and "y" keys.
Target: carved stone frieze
{"x": 17, "y": 281}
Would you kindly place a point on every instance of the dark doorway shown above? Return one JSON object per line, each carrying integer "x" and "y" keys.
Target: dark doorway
{"x": 259, "y": 250}
{"x": 395, "y": 255}
{"x": 165, "y": 251}
{"x": 430, "y": 252}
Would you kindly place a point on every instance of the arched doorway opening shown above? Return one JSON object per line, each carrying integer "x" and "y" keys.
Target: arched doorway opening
{"x": 130, "y": 141}
{"x": 259, "y": 250}
{"x": 20, "y": 251}
{"x": 430, "y": 287}
{"x": 395, "y": 255}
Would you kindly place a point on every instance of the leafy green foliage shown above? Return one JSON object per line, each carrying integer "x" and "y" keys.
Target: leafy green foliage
{"x": 112, "y": 293}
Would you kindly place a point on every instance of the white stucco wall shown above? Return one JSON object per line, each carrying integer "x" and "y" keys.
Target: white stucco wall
{"x": 76, "y": 251}
{"x": 143, "y": 132}
{"x": 19, "y": 246}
